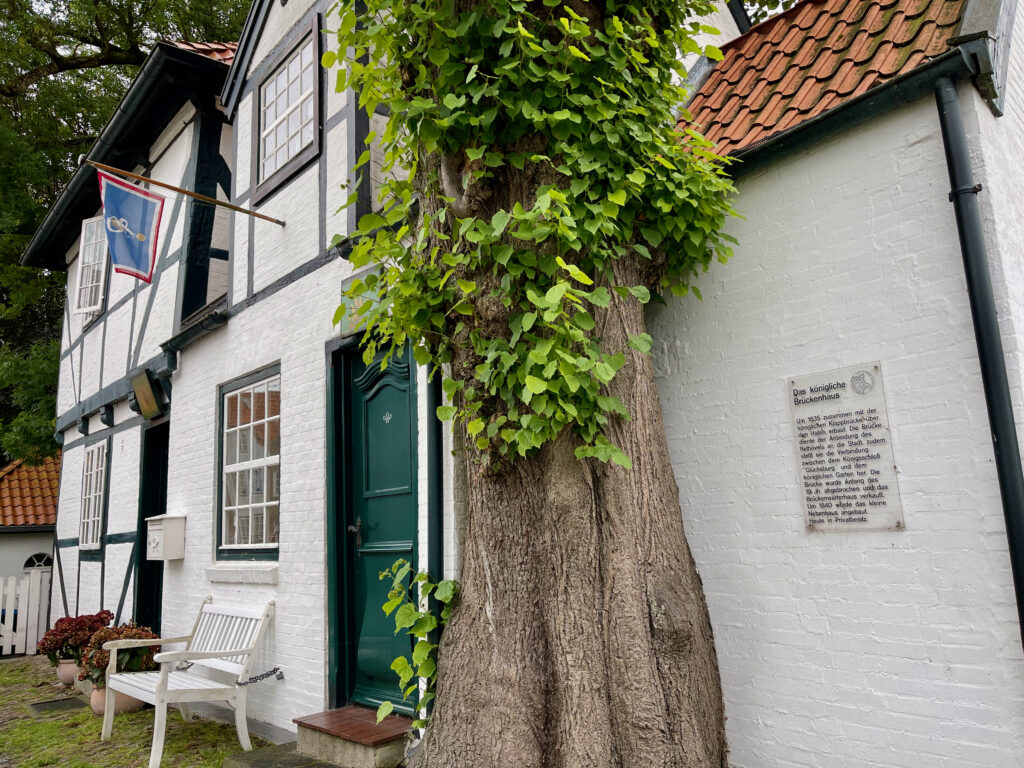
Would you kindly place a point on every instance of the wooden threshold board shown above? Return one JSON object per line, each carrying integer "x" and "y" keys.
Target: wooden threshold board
{"x": 358, "y": 724}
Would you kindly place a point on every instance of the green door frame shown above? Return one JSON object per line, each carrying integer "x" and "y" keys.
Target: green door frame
{"x": 341, "y": 673}
{"x": 340, "y": 677}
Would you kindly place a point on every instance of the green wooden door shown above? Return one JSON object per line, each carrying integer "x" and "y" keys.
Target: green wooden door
{"x": 380, "y": 516}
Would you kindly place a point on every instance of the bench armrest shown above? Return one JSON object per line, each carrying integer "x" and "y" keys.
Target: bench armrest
{"x": 113, "y": 645}
{"x": 168, "y": 656}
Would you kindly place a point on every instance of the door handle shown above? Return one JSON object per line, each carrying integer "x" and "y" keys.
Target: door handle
{"x": 357, "y": 530}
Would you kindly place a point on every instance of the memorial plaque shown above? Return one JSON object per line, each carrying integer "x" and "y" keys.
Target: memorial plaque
{"x": 844, "y": 450}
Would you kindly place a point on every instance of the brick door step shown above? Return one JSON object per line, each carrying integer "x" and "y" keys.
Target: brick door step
{"x": 350, "y": 737}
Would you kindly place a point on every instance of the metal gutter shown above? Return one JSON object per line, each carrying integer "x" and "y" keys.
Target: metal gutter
{"x": 964, "y": 196}
{"x": 252, "y": 29}
{"x": 6, "y": 529}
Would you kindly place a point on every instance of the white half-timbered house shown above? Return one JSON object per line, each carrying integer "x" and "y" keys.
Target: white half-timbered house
{"x": 301, "y": 472}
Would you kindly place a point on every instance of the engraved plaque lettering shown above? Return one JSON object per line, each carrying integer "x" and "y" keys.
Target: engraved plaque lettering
{"x": 844, "y": 450}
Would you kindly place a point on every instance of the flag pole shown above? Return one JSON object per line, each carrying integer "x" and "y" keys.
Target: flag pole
{"x": 179, "y": 190}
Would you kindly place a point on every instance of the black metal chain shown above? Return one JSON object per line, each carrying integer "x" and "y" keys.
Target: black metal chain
{"x": 276, "y": 671}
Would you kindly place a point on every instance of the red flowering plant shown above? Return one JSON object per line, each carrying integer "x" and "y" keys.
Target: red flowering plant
{"x": 70, "y": 635}
{"x": 139, "y": 659}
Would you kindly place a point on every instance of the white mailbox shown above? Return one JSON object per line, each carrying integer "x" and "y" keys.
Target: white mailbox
{"x": 165, "y": 537}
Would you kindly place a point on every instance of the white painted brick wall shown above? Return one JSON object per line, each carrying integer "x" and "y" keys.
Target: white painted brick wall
{"x": 254, "y": 338}
{"x": 242, "y": 176}
{"x": 109, "y": 341}
{"x": 280, "y": 19}
{"x": 337, "y": 175}
{"x": 280, "y": 249}
{"x": 856, "y": 649}
{"x": 996, "y": 158}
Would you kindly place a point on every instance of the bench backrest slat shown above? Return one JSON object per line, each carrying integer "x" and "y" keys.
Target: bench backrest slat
{"x": 222, "y": 628}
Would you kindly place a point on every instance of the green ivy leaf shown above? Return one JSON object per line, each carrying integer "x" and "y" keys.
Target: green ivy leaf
{"x": 445, "y": 591}
{"x": 405, "y": 616}
{"x": 535, "y": 385}
{"x": 384, "y": 710}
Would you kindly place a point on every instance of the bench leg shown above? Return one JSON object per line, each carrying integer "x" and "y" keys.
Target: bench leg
{"x": 240, "y": 725}
{"x": 187, "y": 714}
{"x": 108, "y": 714}
{"x": 159, "y": 726}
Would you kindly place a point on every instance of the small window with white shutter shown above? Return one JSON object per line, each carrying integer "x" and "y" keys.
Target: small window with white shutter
{"x": 94, "y": 488}
{"x": 92, "y": 267}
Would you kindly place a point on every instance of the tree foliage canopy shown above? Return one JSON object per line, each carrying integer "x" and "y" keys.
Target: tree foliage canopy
{"x": 64, "y": 66}
{"x": 581, "y": 102}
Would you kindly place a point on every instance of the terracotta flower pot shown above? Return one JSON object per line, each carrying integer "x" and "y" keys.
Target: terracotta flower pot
{"x": 122, "y": 702}
{"x": 67, "y": 671}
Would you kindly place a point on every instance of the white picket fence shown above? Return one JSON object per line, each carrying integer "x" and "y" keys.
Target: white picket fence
{"x": 23, "y": 601}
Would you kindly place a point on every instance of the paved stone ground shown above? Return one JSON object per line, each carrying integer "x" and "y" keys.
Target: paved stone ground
{"x": 282, "y": 756}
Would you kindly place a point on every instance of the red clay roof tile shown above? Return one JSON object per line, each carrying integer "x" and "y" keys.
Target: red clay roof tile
{"x": 28, "y": 495}
{"x": 812, "y": 58}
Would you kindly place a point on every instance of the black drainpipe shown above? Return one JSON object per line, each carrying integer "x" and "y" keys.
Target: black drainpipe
{"x": 964, "y": 196}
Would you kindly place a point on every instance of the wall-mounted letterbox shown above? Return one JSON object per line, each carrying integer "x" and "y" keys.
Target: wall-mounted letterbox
{"x": 165, "y": 537}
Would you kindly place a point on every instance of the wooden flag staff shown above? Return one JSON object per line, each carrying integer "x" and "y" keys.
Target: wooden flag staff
{"x": 196, "y": 195}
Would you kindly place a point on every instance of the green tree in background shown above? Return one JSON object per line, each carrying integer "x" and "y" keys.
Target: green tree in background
{"x": 64, "y": 66}
{"x": 759, "y": 10}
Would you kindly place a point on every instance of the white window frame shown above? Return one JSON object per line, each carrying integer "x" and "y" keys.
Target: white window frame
{"x": 275, "y": 113}
{"x": 233, "y": 468}
{"x": 92, "y": 253}
{"x": 94, "y": 485}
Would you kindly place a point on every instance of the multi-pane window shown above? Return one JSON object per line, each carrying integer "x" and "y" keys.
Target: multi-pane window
{"x": 92, "y": 266}
{"x": 251, "y": 478}
{"x": 287, "y": 110}
{"x": 94, "y": 473}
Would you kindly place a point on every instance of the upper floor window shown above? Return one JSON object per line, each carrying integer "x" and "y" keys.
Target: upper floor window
{"x": 94, "y": 473}
{"x": 288, "y": 110}
{"x": 92, "y": 266}
{"x": 251, "y": 465}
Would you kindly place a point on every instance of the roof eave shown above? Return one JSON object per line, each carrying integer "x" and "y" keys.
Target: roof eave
{"x": 20, "y": 529}
{"x": 81, "y": 193}
{"x": 966, "y": 60}
{"x": 251, "y": 30}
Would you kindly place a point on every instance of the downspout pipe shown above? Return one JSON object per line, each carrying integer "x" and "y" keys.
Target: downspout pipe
{"x": 964, "y": 196}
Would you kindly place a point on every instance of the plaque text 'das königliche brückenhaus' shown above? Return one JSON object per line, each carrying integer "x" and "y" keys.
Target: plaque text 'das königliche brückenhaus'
{"x": 844, "y": 450}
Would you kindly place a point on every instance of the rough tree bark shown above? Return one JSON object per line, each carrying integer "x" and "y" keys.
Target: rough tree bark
{"x": 582, "y": 637}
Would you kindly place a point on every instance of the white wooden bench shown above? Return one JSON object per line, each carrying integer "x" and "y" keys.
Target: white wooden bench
{"x": 224, "y": 639}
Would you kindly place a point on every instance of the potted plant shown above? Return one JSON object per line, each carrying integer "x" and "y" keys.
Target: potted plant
{"x": 95, "y": 661}
{"x": 66, "y": 642}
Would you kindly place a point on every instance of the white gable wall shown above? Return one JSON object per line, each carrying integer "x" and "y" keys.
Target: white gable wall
{"x": 887, "y": 649}
{"x": 997, "y": 160}
{"x": 96, "y": 353}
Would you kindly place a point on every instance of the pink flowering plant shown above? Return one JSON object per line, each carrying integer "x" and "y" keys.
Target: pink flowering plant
{"x": 71, "y": 634}
{"x": 95, "y": 659}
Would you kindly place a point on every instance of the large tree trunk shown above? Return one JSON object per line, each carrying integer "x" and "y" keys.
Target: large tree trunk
{"x": 582, "y": 637}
